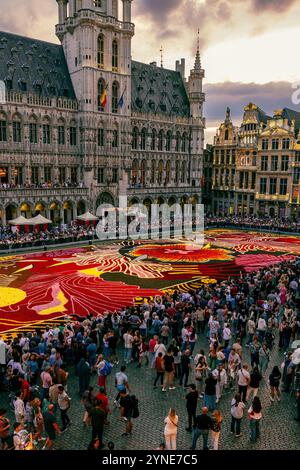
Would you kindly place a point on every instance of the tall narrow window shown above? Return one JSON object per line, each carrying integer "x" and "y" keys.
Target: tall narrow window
{"x": 183, "y": 172}
{"x": 17, "y": 133}
{"x": 73, "y": 135}
{"x": 101, "y": 87}
{"x": 178, "y": 138}
{"x": 34, "y": 175}
{"x": 135, "y": 137}
{"x": 153, "y": 170}
{"x": 115, "y": 140}
{"x": 3, "y": 131}
{"x": 46, "y": 134}
{"x": 115, "y": 97}
{"x": 143, "y": 139}
{"x": 160, "y": 171}
{"x": 33, "y": 132}
{"x": 177, "y": 172}
{"x": 101, "y": 137}
{"x": 100, "y": 175}
{"x": 160, "y": 140}
{"x": 184, "y": 143}
{"x": 153, "y": 140}
{"x": 169, "y": 141}
{"x": 168, "y": 172}
{"x": 115, "y": 55}
{"x": 100, "y": 53}
{"x": 134, "y": 172}
{"x": 273, "y": 185}
{"x": 143, "y": 172}
{"x": 61, "y": 135}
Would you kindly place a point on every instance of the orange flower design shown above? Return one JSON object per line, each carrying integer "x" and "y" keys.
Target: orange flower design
{"x": 182, "y": 253}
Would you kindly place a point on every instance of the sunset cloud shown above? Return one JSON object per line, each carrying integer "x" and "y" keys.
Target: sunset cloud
{"x": 244, "y": 44}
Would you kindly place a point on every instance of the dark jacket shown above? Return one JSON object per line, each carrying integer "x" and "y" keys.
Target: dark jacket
{"x": 203, "y": 422}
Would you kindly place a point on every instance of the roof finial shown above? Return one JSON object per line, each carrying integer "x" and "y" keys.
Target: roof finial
{"x": 161, "y": 57}
{"x": 197, "y": 60}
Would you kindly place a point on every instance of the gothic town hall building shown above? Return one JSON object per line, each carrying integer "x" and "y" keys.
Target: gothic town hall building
{"x": 80, "y": 120}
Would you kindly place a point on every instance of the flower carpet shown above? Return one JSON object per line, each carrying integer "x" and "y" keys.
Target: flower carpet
{"x": 41, "y": 287}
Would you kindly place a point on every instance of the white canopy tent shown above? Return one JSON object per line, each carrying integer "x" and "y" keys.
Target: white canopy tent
{"x": 87, "y": 217}
{"x": 20, "y": 221}
{"x": 39, "y": 220}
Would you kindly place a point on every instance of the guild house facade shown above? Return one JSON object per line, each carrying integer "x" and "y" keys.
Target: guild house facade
{"x": 82, "y": 121}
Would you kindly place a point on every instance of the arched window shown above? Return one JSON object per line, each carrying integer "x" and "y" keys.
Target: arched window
{"x": 183, "y": 172}
{"x": 101, "y": 87}
{"x": 160, "y": 140}
{"x": 115, "y": 55}
{"x": 98, "y": 3}
{"x": 143, "y": 139}
{"x": 134, "y": 172}
{"x": 168, "y": 171}
{"x": 177, "y": 171}
{"x": 153, "y": 140}
{"x": 143, "y": 172}
{"x": 178, "y": 138}
{"x": 169, "y": 141}
{"x": 100, "y": 54}
{"x": 226, "y": 134}
{"x": 160, "y": 171}
{"x": 153, "y": 169}
{"x": 115, "y": 97}
{"x": 184, "y": 142}
{"x": 135, "y": 138}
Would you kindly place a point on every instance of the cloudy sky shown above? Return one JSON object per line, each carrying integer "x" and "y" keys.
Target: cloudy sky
{"x": 249, "y": 48}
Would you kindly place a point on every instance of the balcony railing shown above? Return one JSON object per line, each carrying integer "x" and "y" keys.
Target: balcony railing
{"x": 42, "y": 192}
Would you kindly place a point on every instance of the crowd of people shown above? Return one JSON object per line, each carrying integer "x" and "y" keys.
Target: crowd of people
{"x": 12, "y": 239}
{"x": 240, "y": 321}
{"x": 274, "y": 224}
{"x": 73, "y": 233}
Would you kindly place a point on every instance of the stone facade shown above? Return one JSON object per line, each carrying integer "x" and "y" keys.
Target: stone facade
{"x": 63, "y": 150}
{"x": 260, "y": 161}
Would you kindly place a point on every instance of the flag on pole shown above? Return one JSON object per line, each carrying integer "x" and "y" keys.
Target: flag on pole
{"x": 121, "y": 100}
{"x": 103, "y": 97}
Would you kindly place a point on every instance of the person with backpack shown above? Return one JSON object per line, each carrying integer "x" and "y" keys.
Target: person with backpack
{"x": 129, "y": 411}
{"x": 64, "y": 403}
{"x": 171, "y": 427}
{"x": 104, "y": 369}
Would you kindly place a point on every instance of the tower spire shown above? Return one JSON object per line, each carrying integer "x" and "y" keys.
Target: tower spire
{"x": 161, "y": 57}
{"x": 197, "y": 67}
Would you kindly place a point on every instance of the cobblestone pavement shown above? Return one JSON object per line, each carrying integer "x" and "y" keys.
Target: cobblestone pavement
{"x": 279, "y": 431}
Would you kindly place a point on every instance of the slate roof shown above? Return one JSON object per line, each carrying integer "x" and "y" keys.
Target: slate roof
{"x": 33, "y": 66}
{"x": 156, "y": 90}
{"x": 39, "y": 67}
{"x": 290, "y": 114}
